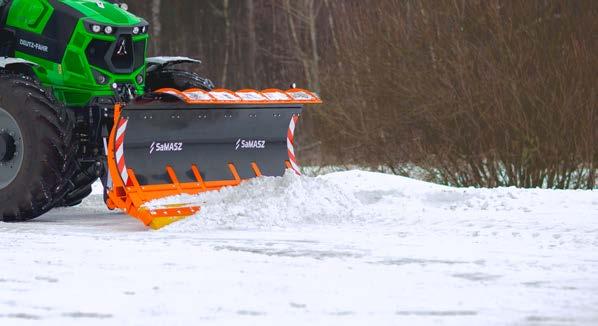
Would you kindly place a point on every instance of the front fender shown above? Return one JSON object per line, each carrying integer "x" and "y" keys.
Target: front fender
{"x": 7, "y": 61}
{"x": 158, "y": 63}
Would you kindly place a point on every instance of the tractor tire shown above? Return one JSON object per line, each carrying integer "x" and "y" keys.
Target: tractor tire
{"x": 37, "y": 149}
{"x": 177, "y": 79}
{"x": 81, "y": 183}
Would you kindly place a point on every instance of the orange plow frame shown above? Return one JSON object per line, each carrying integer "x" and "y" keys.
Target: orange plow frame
{"x": 133, "y": 197}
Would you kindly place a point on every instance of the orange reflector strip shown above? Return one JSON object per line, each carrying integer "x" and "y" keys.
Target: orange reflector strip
{"x": 245, "y": 96}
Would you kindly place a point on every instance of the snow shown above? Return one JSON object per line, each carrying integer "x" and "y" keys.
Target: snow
{"x": 289, "y": 201}
{"x": 347, "y": 248}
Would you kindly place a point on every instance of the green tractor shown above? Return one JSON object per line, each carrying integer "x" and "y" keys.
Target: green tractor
{"x": 65, "y": 68}
{"x": 59, "y": 61}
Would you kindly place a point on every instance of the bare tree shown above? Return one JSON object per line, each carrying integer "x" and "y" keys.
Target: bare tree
{"x": 156, "y": 23}
{"x": 302, "y": 21}
{"x": 251, "y": 42}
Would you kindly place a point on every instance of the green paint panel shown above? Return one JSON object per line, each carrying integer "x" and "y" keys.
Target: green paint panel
{"x": 29, "y": 15}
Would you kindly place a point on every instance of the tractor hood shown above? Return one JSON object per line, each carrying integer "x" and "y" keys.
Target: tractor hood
{"x": 103, "y": 12}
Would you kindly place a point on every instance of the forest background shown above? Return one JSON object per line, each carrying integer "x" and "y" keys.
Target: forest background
{"x": 464, "y": 92}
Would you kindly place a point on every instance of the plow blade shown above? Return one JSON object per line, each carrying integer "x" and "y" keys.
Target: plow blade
{"x": 195, "y": 141}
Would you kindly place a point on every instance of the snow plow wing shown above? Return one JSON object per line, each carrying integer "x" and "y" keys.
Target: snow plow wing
{"x": 172, "y": 142}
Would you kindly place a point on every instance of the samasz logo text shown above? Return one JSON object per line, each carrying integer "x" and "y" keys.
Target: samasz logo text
{"x": 165, "y": 147}
{"x": 249, "y": 144}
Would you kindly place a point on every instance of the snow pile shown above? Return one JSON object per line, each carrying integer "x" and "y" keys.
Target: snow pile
{"x": 365, "y": 198}
{"x": 269, "y": 202}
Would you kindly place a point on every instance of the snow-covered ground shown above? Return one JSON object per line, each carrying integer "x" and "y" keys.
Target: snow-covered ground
{"x": 351, "y": 248}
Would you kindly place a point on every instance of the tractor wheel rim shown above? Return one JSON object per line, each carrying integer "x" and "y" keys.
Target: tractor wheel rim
{"x": 11, "y": 149}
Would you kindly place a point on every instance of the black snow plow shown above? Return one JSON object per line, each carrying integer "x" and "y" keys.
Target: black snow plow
{"x": 171, "y": 142}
